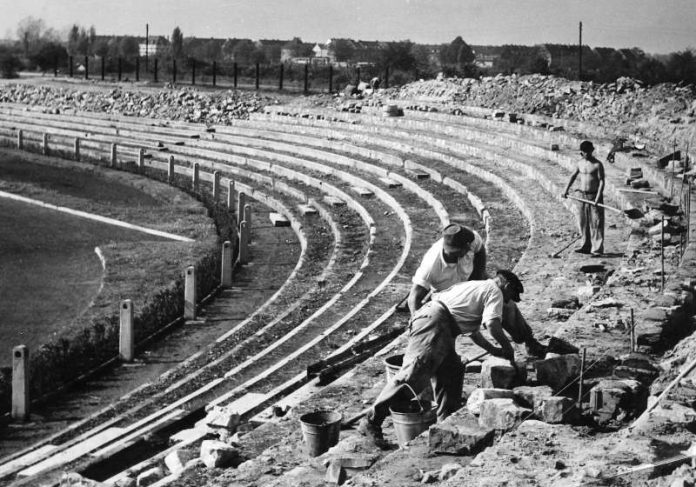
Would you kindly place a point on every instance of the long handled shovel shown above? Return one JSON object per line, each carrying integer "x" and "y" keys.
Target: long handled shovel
{"x": 632, "y": 213}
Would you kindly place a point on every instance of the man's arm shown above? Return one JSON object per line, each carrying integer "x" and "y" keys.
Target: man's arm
{"x": 571, "y": 181}
{"x": 415, "y": 297}
{"x": 495, "y": 327}
{"x": 479, "y": 271}
{"x": 600, "y": 188}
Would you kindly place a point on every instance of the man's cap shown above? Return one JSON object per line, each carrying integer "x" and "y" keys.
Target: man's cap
{"x": 516, "y": 287}
{"x": 455, "y": 235}
{"x": 586, "y": 146}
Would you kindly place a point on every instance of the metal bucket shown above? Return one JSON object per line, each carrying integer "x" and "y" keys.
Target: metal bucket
{"x": 411, "y": 419}
{"x": 320, "y": 430}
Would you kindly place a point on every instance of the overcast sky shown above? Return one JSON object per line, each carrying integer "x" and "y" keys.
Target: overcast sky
{"x": 657, "y": 26}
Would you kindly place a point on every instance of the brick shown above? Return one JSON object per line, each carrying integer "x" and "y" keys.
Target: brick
{"x": 477, "y": 397}
{"x": 559, "y": 371}
{"x": 502, "y": 414}
{"x": 498, "y": 373}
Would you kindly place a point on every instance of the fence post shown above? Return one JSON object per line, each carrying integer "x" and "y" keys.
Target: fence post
{"x": 194, "y": 181}
{"x": 216, "y": 186}
{"x": 193, "y": 71}
{"x": 170, "y": 170}
{"x": 103, "y": 68}
{"x": 306, "y": 77}
{"x": 241, "y": 202}
{"x": 214, "y": 73}
{"x": 173, "y": 70}
{"x": 280, "y": 78}
{"x": 20, "y": 382}
{"x": 45, "y": 144}
{"x": 70, "y": 65}
{"x": 226, "y": 265}
{"x": 190, "y": 294}
{"x": 126, "y": 335}
{"x": 86, "y": 67}
{"x": 137, "y": 68}
{"x": 330, "y": 78}
{"x": 357, "y": 74}
{"x": 55, "y": 66}
{"x": 120, "y": 68}
{"x": 234, "y": 72}
{"x": 243, "y": 256}
{"x": 155, "y": 70}
{"x": 258, "y": 74}
{"x": 247, "y": 219}
{"x": 230, "y": 195}
{"x": 77, "y": 148}
{"x": 141, "y": 158}
{"x": 114, "y": 155}
{"x": 20, "y": 139}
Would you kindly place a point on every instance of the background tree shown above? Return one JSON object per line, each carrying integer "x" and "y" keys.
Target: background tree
{"x": 343, "y": 49}
{"x": 129, "y": 47}
{"x": 681, "y": 67}
{"x": 29, "y": 32}
{"x": 457, "y": 54}
{"x": 177, "y": 43}
{"x": 9, "y": 62}
{"x": 49, "y": 55}
{"x": 398, "y": 56}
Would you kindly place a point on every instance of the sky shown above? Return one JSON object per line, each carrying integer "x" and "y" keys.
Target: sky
{"x": 656, "y": 26}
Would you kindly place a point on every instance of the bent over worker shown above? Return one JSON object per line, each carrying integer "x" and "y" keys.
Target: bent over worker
{"x": 430, "y": 352}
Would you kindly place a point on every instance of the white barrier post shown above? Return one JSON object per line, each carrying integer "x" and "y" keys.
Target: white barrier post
{"x": 247, "y": 219}
{"x": 190, "y": 294}
{"x": 226, "y": 265}
{"x": 230, "y": 195}
{"x": 170, "y": 170}
{"x": 20, "y": 139}
{"x": 77, "y": 148}
{"x": 216, "y": 186}
{"x": 241, "y": 201}
{"x": 195, "y": 177}
{"x": 45, "y": 144}
{"x": 141, "y": 158}
{"x": 20, "y": 382}
{"x": 114, "y": 155}
{"x": 243, "y": 243}
{"x": 125, "y": 345}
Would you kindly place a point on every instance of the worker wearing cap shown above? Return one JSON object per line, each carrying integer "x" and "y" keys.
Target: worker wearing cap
{"x": 590, "y": 216}
{"x": 430, "y": 353}
{"x": 460, "y": 255}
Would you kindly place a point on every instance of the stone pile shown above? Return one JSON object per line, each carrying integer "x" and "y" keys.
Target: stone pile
{"x": 185, "y": 104}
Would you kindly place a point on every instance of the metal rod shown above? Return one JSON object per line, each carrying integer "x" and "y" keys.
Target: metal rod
{"x": 662, "y": 254}
{"x": 633, "y": 332}
{"x": 582, "y": 372}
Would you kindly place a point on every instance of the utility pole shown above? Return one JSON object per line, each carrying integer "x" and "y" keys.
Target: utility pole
{"x": 147, "y": 48}
{"x": 580, "y": 53}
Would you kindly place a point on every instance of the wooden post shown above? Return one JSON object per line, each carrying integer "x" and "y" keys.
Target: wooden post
{"x": 114, "y": 155}
{"x": 86, "y": 67}
{"x": 226, "y": 265}
{"x": 247, "y": 219}
{"x": 70, "y": 66}
{"x": 196, "y": 173}
{"x": 190, "y": 294}
{"x": 243, "y": 243}
{"x": 280, "y": 78}
{"x": 193, "y": 71}
{"x": 20, "y": 139}
{"x": 258, "y": 75}
{"x": 126, "y": 338}
{"x": 141, "y": 158}
{"x": 174, "y": 71}
{"x": 120, "y": 68}
{"x": 45, "y": 144}
{"x": 306, "y": 77}
{"x": 216, "y": 186}
{"x": 137, "y": 68}
{"x": 662, "y": 254}
{"x": 214, "y": 73}
{"x": 170, "y": 169}
{"x": 77, "y": 148}
{"x": 241, "y": 201}
{"x": 55, "y": 66}
{"x": 103, "y": 68}
{"x": 330, "y": 78}
{"x": 582, "y": 371}
{"x": 20, "y": 383}
{"x": 230, "y": 195}
{"x": 234, "y": 74}
{"x": 633, "y": 333}
{"x": 156, "y": 69}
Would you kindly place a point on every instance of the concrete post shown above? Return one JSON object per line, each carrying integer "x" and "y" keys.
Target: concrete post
{"x": 190, "y": 294}
{"x": 230, "y": 195}
{"x": 127, "y": 334}
{"x": 77, "y": 148}
{"x": 20, "y": 139}
{"x": 170, "y": 170}
{"x": 20, "y": 383}
{"x": 241, "y": 201}
{"x": 243, "y": 243}
{"x": 216, "y": 186}
{"x": 141, "y": 158}
{"x": 114, "y": 157}
{"x": 247, "y": 219}
{"x": 45, "y": 144}
{"x": 195, "y": 177}
{"x": 226, "y": 271}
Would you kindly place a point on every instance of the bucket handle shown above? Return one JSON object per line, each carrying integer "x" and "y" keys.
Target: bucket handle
{"x": 415, "y": 396}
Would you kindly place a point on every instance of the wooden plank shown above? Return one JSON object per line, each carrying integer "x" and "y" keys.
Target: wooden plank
{"x": 390, "y": 183}
{"x": 278, "y": 220}
{"x": 25, "y": 460}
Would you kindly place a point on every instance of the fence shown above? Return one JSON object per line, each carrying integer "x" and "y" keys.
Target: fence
{"x": 283, "y": 76}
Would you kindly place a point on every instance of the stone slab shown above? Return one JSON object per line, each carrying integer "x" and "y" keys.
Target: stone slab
{"x": 333, "y": 201}
{"x": 278, "y": 220}
{"x": 390, "y": 183}
{"x": 307, "y": 209}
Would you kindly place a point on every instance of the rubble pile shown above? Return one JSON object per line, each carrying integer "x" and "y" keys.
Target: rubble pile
{"x": 185, "y": 104}
{"x": 625, "y": 106}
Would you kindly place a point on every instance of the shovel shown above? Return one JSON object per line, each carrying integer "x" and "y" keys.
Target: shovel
{"x": 632, "y": 213}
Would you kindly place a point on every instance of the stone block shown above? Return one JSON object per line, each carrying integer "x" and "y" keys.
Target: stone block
{"x": 278, "y": 220}
{"x": 610, "y": 399}
{"x": 532, "y": 396}
{"x": 449, "y": 470}
{"x": 557, "y": 409}
{"x": 149, "y": 477}
{"x": 502, "y": 414}
{"x": 459, "y": 434}
{"x": 221, "y": 417}
{"x": 498, "y": 373}
{"x": 586, "y": 292}
{"x": 177, "y": 460}
{"x": 477, "y": 397}
{"x": 216, "y": 453}
{"x": 335, "y": 474}
{"x": 556, "y": 372}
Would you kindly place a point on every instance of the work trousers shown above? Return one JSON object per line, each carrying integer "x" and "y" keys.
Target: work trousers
{"x": 590, "y": 223}
{"x": 430, "y": 360}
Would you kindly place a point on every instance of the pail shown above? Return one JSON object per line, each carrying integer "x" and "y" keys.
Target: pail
{"x": 320, "y": 430}
{"x": 393, "y": 364}
{"x": 411, "y": 419}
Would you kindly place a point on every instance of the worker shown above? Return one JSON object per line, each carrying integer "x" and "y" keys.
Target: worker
{"x": 460, "y": 255}
{"x": 430, "y": 353}
{"x": 590, "y": 216}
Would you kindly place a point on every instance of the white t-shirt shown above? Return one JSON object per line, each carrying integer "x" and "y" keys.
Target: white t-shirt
{"x": 473, "y": 302}
{"x": 437, "y": 275}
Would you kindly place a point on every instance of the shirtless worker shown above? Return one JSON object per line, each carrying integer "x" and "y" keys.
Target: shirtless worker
{"x": 590, "y": 215}
{"x": 460, "y": 255}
